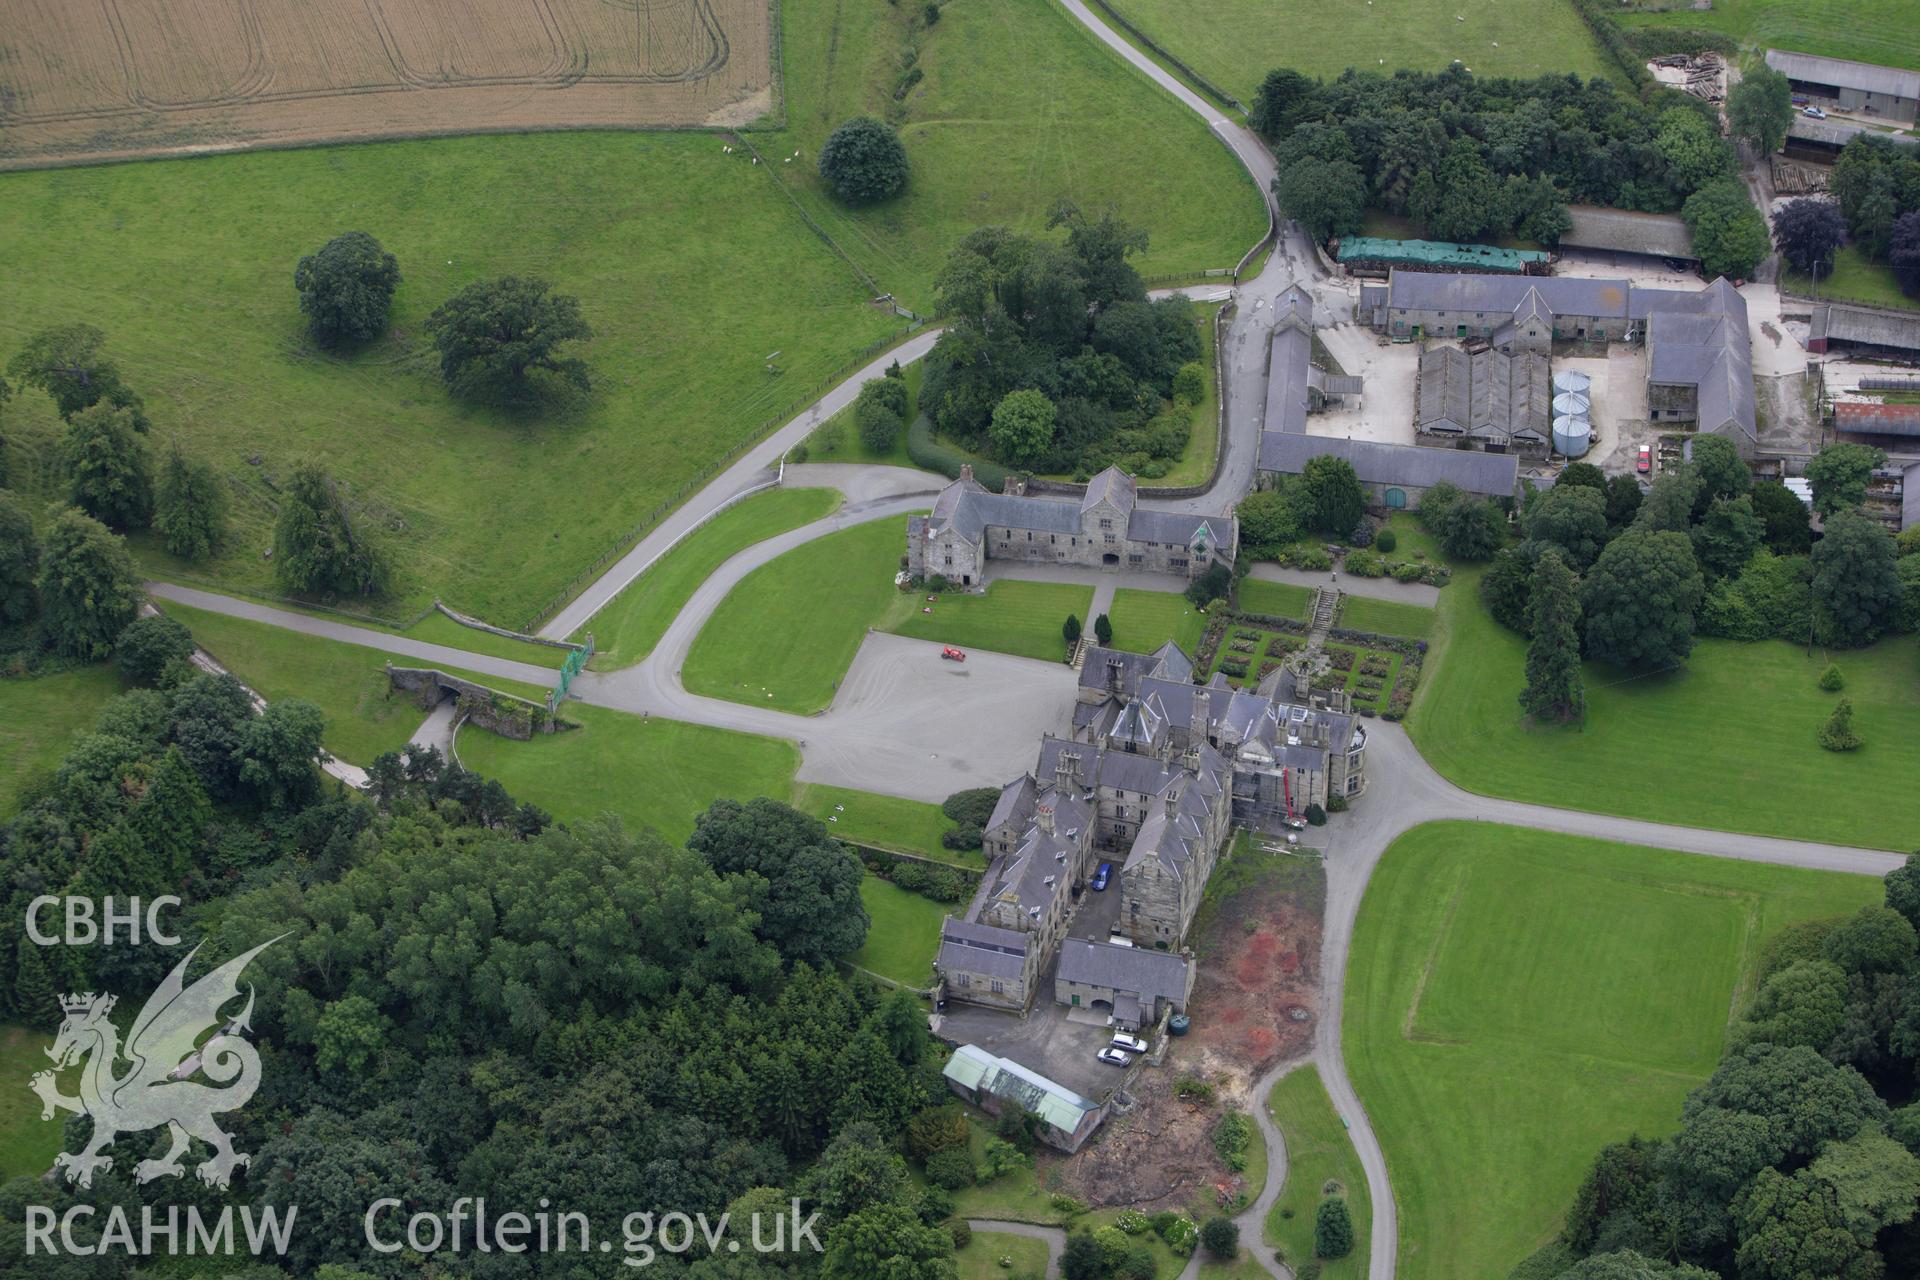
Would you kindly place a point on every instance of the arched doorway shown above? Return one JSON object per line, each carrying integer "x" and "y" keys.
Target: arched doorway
{"x": 1397, "y": 498}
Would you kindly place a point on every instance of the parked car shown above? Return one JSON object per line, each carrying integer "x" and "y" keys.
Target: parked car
{"x": 1102, "y": 874}
{"x": 1645, "y": 462}
{"x": 1132, "y": 1044}
{"x": 952, "y": 654}
{"x": 1113, "y": 1057}
{"x": 1813, "y": 113}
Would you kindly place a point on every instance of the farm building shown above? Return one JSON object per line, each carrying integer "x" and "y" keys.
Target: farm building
{"x": 1395, "y": 475}
{"x": 1295, "y": 385}
{"x": 1136, "y": 986}
{"x": 1863, "y": 418}
{"x": 990, "y": 1082}
{"x": 1821, "y": 141}
{"x": 1657, "y": 235}
{"x": 1700, "y": 357}
{"x": 1365, "y": 255}
{"x": 1484, "y": 400}
{"x": 1859, "y": 87}
{"x": 1872, "y": 329}
{"x": 988, "y": 965}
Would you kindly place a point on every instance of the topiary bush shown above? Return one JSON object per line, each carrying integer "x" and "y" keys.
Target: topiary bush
{"x": 1385, "y": 541}
{"x": 864, "y": 161}
{"x": 1831, "y": 680}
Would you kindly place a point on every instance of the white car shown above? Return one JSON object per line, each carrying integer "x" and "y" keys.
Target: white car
{"x": 1113, "y": 1057}
{"x": 1813, "y": 113}
{"x": 1132, "y": 1044}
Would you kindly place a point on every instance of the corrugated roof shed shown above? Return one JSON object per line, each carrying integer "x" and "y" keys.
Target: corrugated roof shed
{"x": 1869, "y": 326}
{"x": 1839, "y": 72}
{"x": 1863, "y": 418}
{"x": 974, "y": 1068}
{"x": 1490, "y": 475}
{"x": 1831, "y": 133}
{"x": 1660, "y": 234}
{"x": 1438, "y": 254}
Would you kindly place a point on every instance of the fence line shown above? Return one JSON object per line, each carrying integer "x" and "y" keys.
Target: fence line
{"x": 1206, "y": 86}
{"x": 490, "y": 629}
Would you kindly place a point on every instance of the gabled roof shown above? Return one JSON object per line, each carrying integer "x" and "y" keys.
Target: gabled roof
{"x": 1176, "y": 528}
{"x": 1015, "y": 804}
{"x": 1661, "y": 235}
{"x": 974, "y": 1068}
{"x": 982, "y": 948}
{"x": 1146, "y": 972}
{"x": 1112, "y": 485}
{"x": 1502, "y": 295}
{"x": 1701, "y": 340}
{"x": 1839, "y": 72}
{"x": 1490, "y": 475}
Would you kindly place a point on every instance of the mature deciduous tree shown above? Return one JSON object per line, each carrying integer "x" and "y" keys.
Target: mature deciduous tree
{"x": 1327, "y": 197}
{"x": 347, "y": 288}
{"x": 1729, "y": 234}
{"x": 1639, "y": 600}
{"x": 68, "y": 363}
{"x": 1760, "y": 108}
{"x": 1903, "y": 251}
{"x": 89, "y": 590}
{"x": 1572, "y": 518}
{"x": 496, "y": 338}
{"x": 1789, "y": 531}
{"x": 150, "y": 646}
{"x": 1022, "y": 427}
{"x": 1808, "y": 232}
{"x": 276, "y": 753}
{"x": 1839, "y": 474}
{"x": 1507, "y": 585}
{"x": 1668, "y": 507}
{"x": 879, "y": 410}
{"x": 1856, "y": 589}
{"x": 1623, "y": 501}
{"x": 804, "y": 883}
{"x": 864, "y": 161}
{"x": 19, "y": 563}
{"x": 107, "y": 472}
{"x": 1726, "y": 536}
{"x": 1554, "y": 688}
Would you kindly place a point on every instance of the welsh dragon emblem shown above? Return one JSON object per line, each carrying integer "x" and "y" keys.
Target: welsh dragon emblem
{"x": 158, "y": 1086}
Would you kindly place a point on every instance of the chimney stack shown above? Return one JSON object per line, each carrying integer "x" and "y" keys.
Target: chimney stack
{"x": 1202, "y": 715}
{"x": 1066, "y": 771}
{"x": 1044, "y": 818}
{"x": 1113, "y": 676}
{"x": 966, "y": 473}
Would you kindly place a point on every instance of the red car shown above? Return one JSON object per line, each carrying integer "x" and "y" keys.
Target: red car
{"x": 952, "y": 654}
{"x": 1645, "y": 464}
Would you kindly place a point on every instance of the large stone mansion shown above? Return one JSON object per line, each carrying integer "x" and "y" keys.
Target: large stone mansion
{"x": 1104, "y": 529}
{"x": 1156, "y": 776}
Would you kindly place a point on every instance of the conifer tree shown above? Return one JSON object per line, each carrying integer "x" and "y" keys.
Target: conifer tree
{"x": 1554, "y": 688}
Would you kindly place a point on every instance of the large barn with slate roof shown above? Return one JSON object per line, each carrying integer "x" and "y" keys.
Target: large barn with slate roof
{"x": 1106, "y": 528}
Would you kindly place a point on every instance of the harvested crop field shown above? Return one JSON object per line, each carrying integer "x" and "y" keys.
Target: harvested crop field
{"x": 125, "y": 78}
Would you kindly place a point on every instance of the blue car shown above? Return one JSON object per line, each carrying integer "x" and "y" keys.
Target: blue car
{"x": 1101, "y": 876}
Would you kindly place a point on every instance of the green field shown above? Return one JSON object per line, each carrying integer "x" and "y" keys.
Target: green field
{"x": 843, "y": 435}
{"x": 1726, "y": 742}
{"x": 1145, "y": 620}
{"x": 628, "y": 628}
{"x": 982, "y": 1258}
{"x": 1517, "y": 999}
{"x": 1854, "y": 279}
{"x": 786, "y": 634}
{"x": 1235, "y": 43}
{"x": 346, "y": 681}
{"x": 648, "y": 772}
{"x": 1014, "y": 616}
{"x": 27, "y": 1143}
{"x": 1019, "y": 105}
{"x": 40, "y": 718}
{"x": 1318, "y": 1152}
{"x": 885, "y": 822}
{"x": 659, "y": 234}
{"x": 1882, "y": 31}
{"x": 1386, "y": 617}
{"x": 905, "y": 932}
{"x": 1275, "y": 599}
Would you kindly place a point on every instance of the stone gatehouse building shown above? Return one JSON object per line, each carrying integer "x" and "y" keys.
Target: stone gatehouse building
{"x": 1104, "y": 529}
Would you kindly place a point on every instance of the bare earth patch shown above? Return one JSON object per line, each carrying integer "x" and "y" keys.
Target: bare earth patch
{"x": 125, "y": 78}
{"x": 1254, "y": 1006}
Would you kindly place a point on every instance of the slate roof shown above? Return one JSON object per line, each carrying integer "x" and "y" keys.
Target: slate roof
{"x": 1910, "y": 498}
{"x": 1832, "y": 133}
{"x": 1178, "y": 528}
{"x": 1150, "y": 973}
{"x": 1841, "y": 73}
{"x": 1701, "y": 339}
{"x": 971, "y": 509}
{"x": 983, "y": 948}
{"x": 1036, "y": 873}
{"x": 1015, "y": 804}
{"x": 1287, "y": 365}
{"x": 1112, "y": 485}
{"x": 1487, "y": 474}
{"x": 1445, "y": 392}
{"x": 1624, "y": 231}
{"x": 1563, "y": 295}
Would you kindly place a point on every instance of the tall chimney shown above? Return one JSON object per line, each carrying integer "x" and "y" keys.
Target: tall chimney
{"x": 1066, "y": 771}
{"x": 1044, "y": 818}
{"x": 966, "y": 473}
{"x": 1202, "y": 715}
{"x": 1113, "y": 676}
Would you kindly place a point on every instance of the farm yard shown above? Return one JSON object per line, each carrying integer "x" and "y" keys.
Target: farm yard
{"x": 1234, "y": 43}
{"x": 1517, "y": 999}
{"x": 124, "y": 79}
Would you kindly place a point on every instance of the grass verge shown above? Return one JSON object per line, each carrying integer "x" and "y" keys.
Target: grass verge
{"x": 905, "y": 933}
{"x": 1014, "y": 616}
{"x": 1275, "y": 599}
{"x": 1517, "y": 999}
{"x": 1318, "y": 1152}
{"x": 1386, "y": 617}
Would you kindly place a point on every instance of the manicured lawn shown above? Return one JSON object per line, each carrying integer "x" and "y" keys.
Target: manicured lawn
{"x": 659, "y": 234}
{"x": 982, "y": 1258}
{"x": 905, "y": 932}
{"x": 1318, "y": 1152}
{"x": 649, "y": 772}
{"x": 1854, "y": 279}
{"x": 885, "y": 822}
{"x": 438, "y": 628}
{"x": 27, "y": 1143}
{"x": 1018, "y": 106}
{"x": 40, "y": 718}
{"x": 632, "y": 623}
{"x": 1145, "y": 620}
{"x": 1517, "y": 999}
{"x": 1410, "y": 541}
{"x": 786, "y": 634}
{"x": 1728, "y": 741}
{"x": 1195, "y": 463}
{"x": 1236, "y": 42}
{"x": 1275, "y": 599}
{"x": 1386, "y": 617}
{"x": 1013, "y": 616}
{"x": 346, "y": 681}
{"x": 1881, "y": 31}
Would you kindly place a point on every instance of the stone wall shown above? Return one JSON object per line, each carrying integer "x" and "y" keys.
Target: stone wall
{"x": 489, "y": 709}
